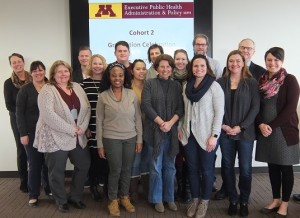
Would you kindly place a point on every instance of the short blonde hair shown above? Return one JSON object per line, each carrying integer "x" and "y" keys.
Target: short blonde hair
{"x": 89, "y": 67}
{"x": 53, "y": 69}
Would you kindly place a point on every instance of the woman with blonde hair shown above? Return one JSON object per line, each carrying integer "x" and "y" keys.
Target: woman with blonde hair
{"x": 99, "y": 168}
{"x": 60, "y": 133}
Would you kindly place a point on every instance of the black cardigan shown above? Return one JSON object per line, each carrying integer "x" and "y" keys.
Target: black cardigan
{"x": 245, "y": 107}
{"x": 287, "y": 118}
{"x": 27, "y": 111}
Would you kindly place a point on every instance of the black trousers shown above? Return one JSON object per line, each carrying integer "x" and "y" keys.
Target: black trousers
{"x": 21, "y": 153}
{"x": 98, "y": 172}
{"x": 281, "y": 177}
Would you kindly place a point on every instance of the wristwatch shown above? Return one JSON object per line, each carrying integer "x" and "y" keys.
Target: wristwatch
{"x": 215, "y": 135}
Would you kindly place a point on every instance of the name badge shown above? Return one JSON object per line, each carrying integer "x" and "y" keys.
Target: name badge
{"x": 74, "y": 113}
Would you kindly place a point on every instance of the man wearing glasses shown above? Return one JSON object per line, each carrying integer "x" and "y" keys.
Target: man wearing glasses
{"x": 247, "y": 47}
{"x": 200, "y": 45}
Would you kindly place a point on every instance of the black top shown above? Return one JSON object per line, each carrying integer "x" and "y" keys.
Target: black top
{"x": 77, "y": 75}
{"x": 10, "y": 95}
{"x": 27, "y": 111}
{"x": 256, "y": 70}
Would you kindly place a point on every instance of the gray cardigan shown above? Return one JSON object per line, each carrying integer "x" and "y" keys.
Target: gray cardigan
{"x": 245, "y": 107}
{"x": 157, "y": 103}
{"x": 204, "y": 118}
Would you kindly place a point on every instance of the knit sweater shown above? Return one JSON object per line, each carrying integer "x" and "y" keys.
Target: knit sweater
{"x": 165, "y": 105}
{"x": 118, "y": 119}
{"x": 55, "y": 128}
{"x": 204, "y": 118}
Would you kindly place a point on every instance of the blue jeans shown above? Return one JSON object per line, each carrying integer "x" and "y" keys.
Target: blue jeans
{"x": 229, "y": 149}
{"x": 162, "y": 174}
{"x": 141, "y": 162}
{"x": 201, "y": 167}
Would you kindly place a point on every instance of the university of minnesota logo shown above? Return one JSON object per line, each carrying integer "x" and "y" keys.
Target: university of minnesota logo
{"x": 105, "y": 10}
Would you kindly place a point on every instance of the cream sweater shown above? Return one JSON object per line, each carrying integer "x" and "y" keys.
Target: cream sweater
{"x": 55, "y": 128}
{"x": 118, "y": 119}
{"x": 204, "y": 117}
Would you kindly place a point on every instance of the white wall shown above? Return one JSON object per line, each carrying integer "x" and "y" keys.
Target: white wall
{"x": 39, "y": 29}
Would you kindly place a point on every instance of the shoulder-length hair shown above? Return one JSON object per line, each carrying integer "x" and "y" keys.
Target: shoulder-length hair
{"x": 164, "y": 57}
{"x": 106, "y": 83}
{"x": 245, "y": 71}
{"x": 209, "y": 71}
{"x": 16, "y": 55}
{"x": 53, "y": 70}
{"x": 89, "y": 67}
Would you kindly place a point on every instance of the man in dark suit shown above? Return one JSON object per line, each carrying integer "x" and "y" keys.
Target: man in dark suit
{"x": 84, "y": 56}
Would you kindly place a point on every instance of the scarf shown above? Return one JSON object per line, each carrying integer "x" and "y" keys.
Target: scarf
{"x": 19, "y": 83}
{"x": 179, "y": 75}
{"x": 269, "y": 87}
{"x": 195, "y": 94}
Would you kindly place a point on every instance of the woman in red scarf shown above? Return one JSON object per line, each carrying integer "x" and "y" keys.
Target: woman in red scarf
{"x": 278, "y": 141}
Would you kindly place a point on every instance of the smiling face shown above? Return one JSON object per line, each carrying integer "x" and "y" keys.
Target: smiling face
{"x": 181, "y": 61}
{"x": 199, "y": 68}
{"x": 139, "y": 71}
{"x": 154, "y": 53}
{"x": 117, "y": 77}
{"x": 273, "y": 64}
{"x": 62, "y": 75}
{"x": 235, "y": 64}
{"x": 17, "y": 64}
{"x": 97, "y": 66}
{"x": 83, "y": 57}
{"x": 122, "y": 54}
{"x": 164, "y": 69}
{"x": 247, "y": 48}
{"x": 200, "y": 46}
{"x": 38, "y": 75}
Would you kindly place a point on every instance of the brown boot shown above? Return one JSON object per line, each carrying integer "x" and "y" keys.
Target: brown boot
{"x": 125, "y": 202}
{"x": 133, "y": 189}
{"x": 113, "y": 208}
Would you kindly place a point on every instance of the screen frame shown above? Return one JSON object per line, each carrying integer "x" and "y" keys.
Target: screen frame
{"x": 79, "y": 25}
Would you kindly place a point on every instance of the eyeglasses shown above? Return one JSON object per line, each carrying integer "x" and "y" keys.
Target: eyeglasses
{"x": 246, "y": 48}
{"x": 200, "y": 45}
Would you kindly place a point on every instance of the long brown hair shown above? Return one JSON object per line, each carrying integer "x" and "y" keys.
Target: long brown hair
{"x": 245, "y": 71}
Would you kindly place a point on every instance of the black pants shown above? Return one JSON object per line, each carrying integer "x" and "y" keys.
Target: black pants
{"x": 21, "y": 153}
{"x": 281, "y": 177}
{"x": 98, "y": 172}
{"x": 37, "y": 170}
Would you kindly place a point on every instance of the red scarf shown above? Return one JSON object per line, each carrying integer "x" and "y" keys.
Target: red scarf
{"x": 268, "y": 87}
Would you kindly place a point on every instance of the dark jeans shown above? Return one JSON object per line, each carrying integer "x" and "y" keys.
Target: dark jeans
{"x": 21, "y": 153}
{"x": 36, "y": 171}
{"x": 201, "y": 167}
{"x": 281, "y": 177}
{"x": 98, "y": 172}
{"x": 229, "y": 149}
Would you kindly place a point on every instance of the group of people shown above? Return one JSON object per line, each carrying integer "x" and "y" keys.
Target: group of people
{"x": 121, "y": 124}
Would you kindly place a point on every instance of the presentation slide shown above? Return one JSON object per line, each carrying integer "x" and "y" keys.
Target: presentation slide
{"x": 141, "y": 23}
